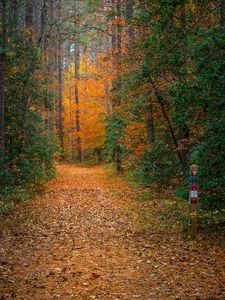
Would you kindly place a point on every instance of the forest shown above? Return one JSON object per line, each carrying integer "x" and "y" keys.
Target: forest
{"x": 136, "y": 83}
{"x": 133, "y": 87}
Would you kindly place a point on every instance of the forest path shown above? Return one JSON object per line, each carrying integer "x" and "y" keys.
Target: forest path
{"x": 77, "y": 241}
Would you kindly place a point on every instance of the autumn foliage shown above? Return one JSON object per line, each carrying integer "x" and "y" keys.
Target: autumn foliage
{"x": 93, "y": 87}
{"x": 135, "y": 83}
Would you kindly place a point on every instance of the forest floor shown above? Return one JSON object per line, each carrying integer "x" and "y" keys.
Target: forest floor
{"x": 85, "y": 237}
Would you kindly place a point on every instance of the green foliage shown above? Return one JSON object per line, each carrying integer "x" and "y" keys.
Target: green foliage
{"x": 181, "y": 62}
{"x": 114, "y": 134}
{"x": 202, "y": 98}
{"x": 157, "y": 166}
{"x": 29, "y": 148}
{"x": 93, "y": 156}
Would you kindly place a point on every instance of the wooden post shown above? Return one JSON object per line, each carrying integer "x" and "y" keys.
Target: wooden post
{"x": 193, "y": 202}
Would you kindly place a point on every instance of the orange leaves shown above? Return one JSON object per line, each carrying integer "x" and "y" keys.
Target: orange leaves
{"x": 136, "y": 134}
{"x": 93, "y": 87}
{"x": 119, "y": 21}
{"x": 95, "y": 276}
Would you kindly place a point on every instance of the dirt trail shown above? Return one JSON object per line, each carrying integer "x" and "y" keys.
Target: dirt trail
{"x": 77, "y": 241}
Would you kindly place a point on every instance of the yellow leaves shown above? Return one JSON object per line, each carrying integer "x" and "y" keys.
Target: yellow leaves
{"x": 11, "y": 53}
{"x": 93, "y": 86}
{"x": 14, "y": 70}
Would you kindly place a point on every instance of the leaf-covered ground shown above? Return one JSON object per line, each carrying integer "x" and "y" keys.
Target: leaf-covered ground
{"x": 80, "y": 240}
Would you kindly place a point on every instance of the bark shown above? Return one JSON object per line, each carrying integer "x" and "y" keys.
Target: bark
{"x": 2, "y": 78}
{"x": 108, "y": 99}
{"x": 43, "y": 20}
{"x": 25, "y": 104}
{"x": 71, "y": 120}
{"x": 222, "y": 12}
{"x": 53, "y": 66}
{"x": 118, "y": 155}
{"x": 117, "y": 53}
{"x": 119, "y": 32}
{"x": 117, "y": 49}
{"x": 117, "y": 59}
{"x": 29, "y": 21}
{"x": 130, "y": 13}
{"x": 113, "y": 33}
{"x": 14, "y": 6}
{"x": 77, "y": 76}
{"x": 60, "y": 105}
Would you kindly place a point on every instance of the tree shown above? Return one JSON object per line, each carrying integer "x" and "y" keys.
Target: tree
{"x": 2, "y": 78}
{"x": 77, "y": 76}
{"x": 29, "y": 149}
{"x": 60, "y": 88}
{"x": 169, "y": 94}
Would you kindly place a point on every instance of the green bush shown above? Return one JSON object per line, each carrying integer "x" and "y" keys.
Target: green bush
{"x": 29, "y": 148}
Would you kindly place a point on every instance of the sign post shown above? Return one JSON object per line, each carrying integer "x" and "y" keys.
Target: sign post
{"x": 193, "y": 202}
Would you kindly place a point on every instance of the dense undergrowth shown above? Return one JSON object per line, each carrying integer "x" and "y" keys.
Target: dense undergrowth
{"x": 169, "y": 99}
{"x": 30, "y": 149}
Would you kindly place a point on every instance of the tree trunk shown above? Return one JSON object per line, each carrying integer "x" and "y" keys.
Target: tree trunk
{"x": 119, "y": 32}
{"x": 60, "y": 104}
{"x": 77, "y": 76}
{"x": 118, "y": 155}
{"x": 14, "y": 6}
{"x": 117, "y": 53}
{"x": 2, "y": 78}
{"x": 43, "y": 21}
{"x": 129, "y": 15}
{"x": 113, "y": 33}
{"x": 222, "y": 12}
{"x": 108, "y": 100}
{"x": 29, "y": 21}
{"x": 71, "y": 119}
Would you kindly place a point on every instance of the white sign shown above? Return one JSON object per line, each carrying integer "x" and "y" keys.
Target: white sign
{"x": 193, "y": 194}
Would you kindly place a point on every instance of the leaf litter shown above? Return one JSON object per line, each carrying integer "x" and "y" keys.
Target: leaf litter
{"x": 79, "y": 240}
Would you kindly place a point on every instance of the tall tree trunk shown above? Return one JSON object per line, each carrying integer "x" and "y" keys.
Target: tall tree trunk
{"x": 29, "y": 21}
{"x": 108, "y": 100}
{"x": 222, "y": 12}
{"x": 60, "y": 97}
{"x": 14, "y": 6}
{"x": 2, "y": 78}
{"x": 77, "y": 77}
{"x": 113, "y": 33}
{"x": 119, "y": 32}
{"x": 119, "y": 165}
{"x": 117, "y": 53}
{"x": 43, "y": 21}
{"x": 71, "y": 119}
{"x": 129, "y": 15}
{"x": 53, "y": 65}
